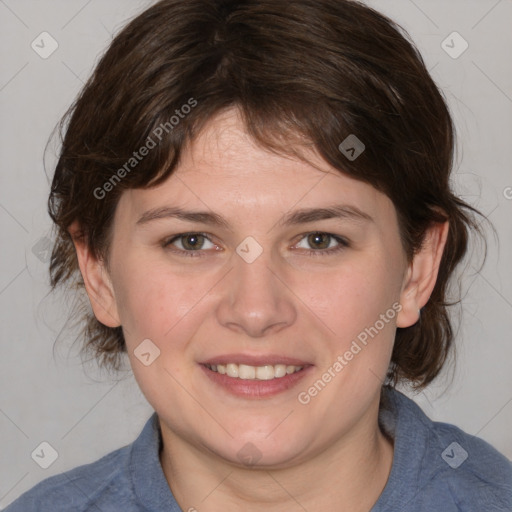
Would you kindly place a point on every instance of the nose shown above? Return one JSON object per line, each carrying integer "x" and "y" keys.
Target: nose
{"x": 255, "y": 298}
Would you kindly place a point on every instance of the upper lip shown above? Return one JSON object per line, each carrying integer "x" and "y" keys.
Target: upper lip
{"x": 256, "y": 360}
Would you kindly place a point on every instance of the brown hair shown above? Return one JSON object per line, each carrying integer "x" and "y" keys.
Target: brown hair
{"x": 302, "y": 73}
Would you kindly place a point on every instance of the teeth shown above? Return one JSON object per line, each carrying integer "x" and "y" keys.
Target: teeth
{"x": 231, "y": 369}
{"x": 279, "y": 370}
{"x": 265, "y": 372}
{"x": 246, "y": 372}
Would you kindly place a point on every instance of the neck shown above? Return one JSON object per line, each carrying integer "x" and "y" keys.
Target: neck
{"x": 348, "y": 475}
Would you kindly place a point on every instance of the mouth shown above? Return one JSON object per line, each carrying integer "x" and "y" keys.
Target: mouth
{"x": 262, "y": 379}
{"x": 248, "y": 372}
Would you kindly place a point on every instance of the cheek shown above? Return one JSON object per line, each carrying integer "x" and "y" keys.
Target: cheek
{"x": 353, "y": 296}
{"x": 158, "y": 302}
{"x": 150, "y": 299}
{"x": 350, "y": 302}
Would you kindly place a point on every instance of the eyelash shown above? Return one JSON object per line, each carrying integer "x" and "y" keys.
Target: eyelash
{"x": 343, "y": 244}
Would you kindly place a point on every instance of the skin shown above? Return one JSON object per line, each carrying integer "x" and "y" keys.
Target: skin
{"x": 328, "y": 454}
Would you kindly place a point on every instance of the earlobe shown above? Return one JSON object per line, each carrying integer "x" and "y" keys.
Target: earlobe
{"x": 97, "y": 282}
{"x": 421, "y": 275}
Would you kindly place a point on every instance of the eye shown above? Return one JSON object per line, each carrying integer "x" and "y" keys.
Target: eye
{"x": 193, "y": 244}
{"x": 189, "y": 244}
{"x": 322, "y": 242}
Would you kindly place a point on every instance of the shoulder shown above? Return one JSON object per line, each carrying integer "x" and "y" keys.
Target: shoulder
{"x": 477, "y": 475}
{"x": 81, "y": 488}
{"x": 461, "y": 468}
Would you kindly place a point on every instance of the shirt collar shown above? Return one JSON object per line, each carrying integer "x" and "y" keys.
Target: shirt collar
{"x": 148, "y": 479}
{"x": 404, "y": 421}
{"x": 399, "y": 417}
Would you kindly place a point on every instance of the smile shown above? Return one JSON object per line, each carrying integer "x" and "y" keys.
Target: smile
{"x": 255, "y": 382}
{"x": 247, "y": 372}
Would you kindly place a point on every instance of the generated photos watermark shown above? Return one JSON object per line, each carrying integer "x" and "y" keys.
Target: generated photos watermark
{"x": 151, "y": 142}
{"x": 357, "y": 345}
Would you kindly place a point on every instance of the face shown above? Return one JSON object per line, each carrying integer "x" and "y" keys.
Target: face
{"x": 264, "y": 287}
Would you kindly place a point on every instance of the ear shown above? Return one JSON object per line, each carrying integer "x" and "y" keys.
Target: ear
{"x": 96, "y": 280}
{"x": 421, "y": 275}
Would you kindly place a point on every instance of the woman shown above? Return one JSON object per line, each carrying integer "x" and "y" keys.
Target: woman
{"x": 255, "y": 196}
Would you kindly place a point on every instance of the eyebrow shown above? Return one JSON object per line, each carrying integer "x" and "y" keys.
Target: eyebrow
{"x": 296, "y": 217}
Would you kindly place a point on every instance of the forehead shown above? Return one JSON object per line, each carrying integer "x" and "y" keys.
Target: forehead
{"x": 223, "y": 169}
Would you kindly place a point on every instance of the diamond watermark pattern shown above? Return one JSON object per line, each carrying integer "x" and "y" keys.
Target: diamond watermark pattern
{"x": 352, "y": 147}
{"x": 454, "y": 45}
{"x": 454, "y": 455}
{"x": 249, "y": 249}
{"x": 44, "y": 45}
{"x": 249, "y": 454}
{"x": 41, "y": 249}
{"x": 44, "y": 455}
{"x": 146, "y": 352}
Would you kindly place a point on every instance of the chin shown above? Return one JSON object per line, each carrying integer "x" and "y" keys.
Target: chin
{"x": 254, "y": 453}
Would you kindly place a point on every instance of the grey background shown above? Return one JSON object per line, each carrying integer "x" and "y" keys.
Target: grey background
{"x": 84, "y": 414}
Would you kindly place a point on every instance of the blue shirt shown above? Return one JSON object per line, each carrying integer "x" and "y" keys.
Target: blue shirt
{"x": 436, "y": 468}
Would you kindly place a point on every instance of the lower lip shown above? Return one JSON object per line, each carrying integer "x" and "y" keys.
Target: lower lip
{"x": 253, "y": 388}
